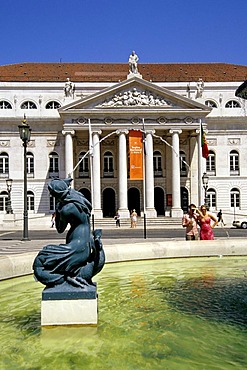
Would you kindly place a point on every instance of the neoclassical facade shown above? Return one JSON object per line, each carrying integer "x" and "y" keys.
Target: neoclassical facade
{"x": 81, "y": 116}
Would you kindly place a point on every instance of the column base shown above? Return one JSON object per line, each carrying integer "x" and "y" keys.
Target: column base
{"x": 151, "y": 213}
{"x": 98, "y": 214}
{"x": 176, "y": 212}
{"x": 124, "y": 212}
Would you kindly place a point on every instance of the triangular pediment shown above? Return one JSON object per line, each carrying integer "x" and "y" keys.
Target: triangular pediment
{"x": 134, "y": 94}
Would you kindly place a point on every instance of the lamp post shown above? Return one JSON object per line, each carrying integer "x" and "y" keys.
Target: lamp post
{"x": 205, "y": 179}
{"x": 9, "y": 209}
{"x": 25, "y": 133}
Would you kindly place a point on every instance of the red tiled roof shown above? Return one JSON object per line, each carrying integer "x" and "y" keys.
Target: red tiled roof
{"x": 109, "y": 72}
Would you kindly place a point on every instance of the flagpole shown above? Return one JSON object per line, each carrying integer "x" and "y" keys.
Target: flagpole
{"x": 91, "y": 169}
{"x": 144, "y": 179}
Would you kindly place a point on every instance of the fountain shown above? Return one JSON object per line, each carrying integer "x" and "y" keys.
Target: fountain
{"x": 70, "y": 296}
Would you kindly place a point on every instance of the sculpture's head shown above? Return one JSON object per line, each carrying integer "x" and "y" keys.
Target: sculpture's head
{"x": 59, "y": 188}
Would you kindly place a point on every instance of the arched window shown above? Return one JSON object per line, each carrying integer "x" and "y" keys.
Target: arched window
{"x": 84, "y": 165}
{"x": 183, "y": 169}
{"x": 211, "y": 104}
{"x": 30, "y": 201}
{"x": 3, "y": 201}
{"x": 157, "y": 160}
{"x": 211, "y": 198}
{"x": 108, "y": 165}
{"x": 234, "y": 163}
{"x": 235, "y": 198}
{"x": 4, "y": 165}
{"x": 232, "y": 104}
{"x": 54, "y": 165}
{"x": 30, "y": 164}
{"x": 52, "y": 105}
{"x": 28, "y": 105}
{"x": 210, "y": 164}
{"x": 5, "y": 105}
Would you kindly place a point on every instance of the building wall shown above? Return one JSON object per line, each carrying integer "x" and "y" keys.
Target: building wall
{"x": 226, "y": 131}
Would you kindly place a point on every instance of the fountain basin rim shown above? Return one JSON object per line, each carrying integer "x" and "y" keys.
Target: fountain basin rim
{"x": 16, "y": 265}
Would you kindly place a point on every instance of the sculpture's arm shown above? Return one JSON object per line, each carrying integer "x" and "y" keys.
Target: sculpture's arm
{"x": 62, "y": 219}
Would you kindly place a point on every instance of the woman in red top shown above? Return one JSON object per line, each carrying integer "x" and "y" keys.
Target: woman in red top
{"x": 205, "y": 221}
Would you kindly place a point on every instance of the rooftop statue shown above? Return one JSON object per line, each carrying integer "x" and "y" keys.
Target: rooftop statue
{"x": 82, "y": 256}
{"x": 69, "y": 88}
{"x": 133, "y": 59}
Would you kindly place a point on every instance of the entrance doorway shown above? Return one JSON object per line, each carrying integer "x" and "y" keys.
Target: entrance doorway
{"x": 184, "y": 199}
{"x": 159, "y": 201}
{"x": 134, "y": 200}
{"x": 109, "y": 204}
{"x": 86, "y": 193}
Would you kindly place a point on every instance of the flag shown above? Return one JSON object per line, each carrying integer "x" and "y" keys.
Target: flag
{"x": 204, "y": 144}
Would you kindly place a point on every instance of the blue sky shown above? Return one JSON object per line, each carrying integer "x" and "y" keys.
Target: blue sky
{"x": 160, "y": 31}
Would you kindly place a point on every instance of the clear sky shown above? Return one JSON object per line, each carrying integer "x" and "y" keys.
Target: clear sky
{"x": 160, "y": 31}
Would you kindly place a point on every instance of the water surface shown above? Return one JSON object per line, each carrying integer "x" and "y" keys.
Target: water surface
{"x": 164, "y": 314}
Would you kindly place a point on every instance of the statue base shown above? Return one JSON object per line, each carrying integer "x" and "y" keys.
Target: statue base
{"x": 131, "y": 75}
{"x": 68, "y": 305}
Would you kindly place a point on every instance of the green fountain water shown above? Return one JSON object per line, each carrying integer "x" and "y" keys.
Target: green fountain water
{"x": 164, "y": 314}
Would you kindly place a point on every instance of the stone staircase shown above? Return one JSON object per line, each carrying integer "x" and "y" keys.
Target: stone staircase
{"x": 153, "y": 223}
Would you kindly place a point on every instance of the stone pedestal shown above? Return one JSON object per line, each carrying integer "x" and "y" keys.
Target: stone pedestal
{"x": 67, "y": 305}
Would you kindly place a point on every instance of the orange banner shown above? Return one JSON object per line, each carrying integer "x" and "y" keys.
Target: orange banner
{"x": 135, "y": 150}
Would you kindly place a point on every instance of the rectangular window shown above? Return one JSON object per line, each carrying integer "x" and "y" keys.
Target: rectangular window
{"x": 4, "y": 166}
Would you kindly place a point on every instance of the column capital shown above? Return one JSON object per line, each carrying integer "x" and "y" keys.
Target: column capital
{"x": 122, "y": 131}
{"x": 175, "y": 131}
{"x": 99, "y": 132}
{"x": 68, "y": 132}
{"x": 151, "y": 132}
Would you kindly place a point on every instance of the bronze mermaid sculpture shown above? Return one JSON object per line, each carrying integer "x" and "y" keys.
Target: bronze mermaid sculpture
{"x": 82, "y": 256}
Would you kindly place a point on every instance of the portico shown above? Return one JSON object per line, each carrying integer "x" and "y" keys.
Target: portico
{"x": 172, "y": 125}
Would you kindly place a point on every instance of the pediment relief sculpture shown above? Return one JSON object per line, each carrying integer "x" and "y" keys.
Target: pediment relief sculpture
{"x": 135, "y": 97}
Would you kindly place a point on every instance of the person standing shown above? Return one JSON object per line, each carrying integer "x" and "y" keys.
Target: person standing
{"x": 133, "y": 218}
{"x": 189, "y": 221}
{"x": 53, "y": 216}
{"x": 205, "y": 221}
{"x": 117, "y": 219}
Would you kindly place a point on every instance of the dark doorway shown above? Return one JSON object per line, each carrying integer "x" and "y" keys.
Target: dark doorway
{"x": 86, "y": 193}
{"x": 159, "y": 201}
{"x": 134, "y": 200}
{"x": 184, "y": 199}
{"x": 109, "y": 206}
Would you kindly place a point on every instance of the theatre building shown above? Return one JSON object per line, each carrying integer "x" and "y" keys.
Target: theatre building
{"x": 88, "y": 120}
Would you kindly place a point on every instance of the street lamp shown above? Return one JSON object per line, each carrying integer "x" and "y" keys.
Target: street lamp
{"x": 25, "y": 133}
{"x": 9, "y": 209}
{"x": 205, "y": 179}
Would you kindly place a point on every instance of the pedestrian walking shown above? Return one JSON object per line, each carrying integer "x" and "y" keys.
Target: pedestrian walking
{"x": 220, "y": 218}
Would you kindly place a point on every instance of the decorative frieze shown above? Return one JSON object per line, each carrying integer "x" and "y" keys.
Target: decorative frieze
{"x": 135, "y": 97}
{"x": 5, "y": 143}
{"x": 31, "y": 144}
{"x": 212, "y": 142}
{"x": 52, "y": 143}
{"x": 233, "y": 141}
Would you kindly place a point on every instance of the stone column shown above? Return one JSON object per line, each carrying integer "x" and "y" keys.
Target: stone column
{"x": 96, "y": 191}
{"x": 149, "y": 176}
{"x": 122, "y": 174}
{"x": 176, "y": 210}
{"x": 69, "y": 153}
{"x": 201, "y": 169}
